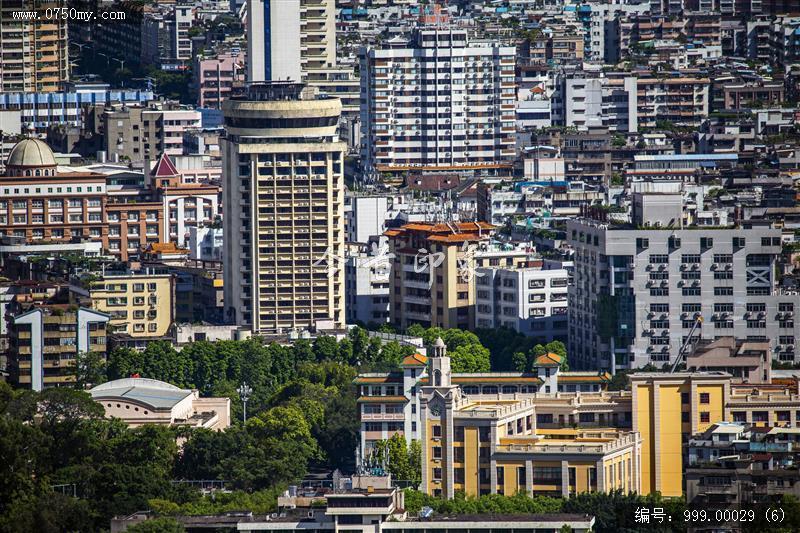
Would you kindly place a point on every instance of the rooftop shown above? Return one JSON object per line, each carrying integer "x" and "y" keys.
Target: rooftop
{"x": 153, "y": 393}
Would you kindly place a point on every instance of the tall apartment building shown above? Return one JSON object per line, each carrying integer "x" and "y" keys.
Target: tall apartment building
{"x": 432, "y": 271}
{"x": 34, "y": 57}
{"x": 283, "y": 199}
{"x": 438, "y": 102}
{"x": 638, "y": 293}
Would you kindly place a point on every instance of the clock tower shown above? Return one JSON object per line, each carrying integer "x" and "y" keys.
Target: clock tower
{"x": 437, "y": 404}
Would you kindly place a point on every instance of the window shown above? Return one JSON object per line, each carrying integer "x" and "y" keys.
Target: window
{"x": 705, "y": 417}
{"x": 705, "y": 397}
{"x": 723, "y": 258}
{"x": 437, "y": 430}
{"x": 723, "y": 308}
{"x": 586, "y": 418}
{"x": 659, "y": 308}
{"x": 659, "y": 291}
{"x": 659, "y": 258}
{"x": 690, "y": 291}
{"x": 691, "y": 308}
{"x": 642, "y": 243}
{"x": 437, "y": 452}
{"x": 706, "y": 243}
{"x": 690, "y": 258}
{"x": 739, "y": 242}
{"x": 437, "y": 474}
{"x": 723, "y": 291}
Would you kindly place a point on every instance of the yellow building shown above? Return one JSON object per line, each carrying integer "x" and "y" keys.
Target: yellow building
{"x": 667, "y": 410}
{"x": 493, "y": 446}
{"x": 140, "y": 304}
{"x": 33, "y": 56}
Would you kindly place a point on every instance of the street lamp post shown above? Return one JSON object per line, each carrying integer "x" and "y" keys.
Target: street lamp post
{"x": 244, "y": 393}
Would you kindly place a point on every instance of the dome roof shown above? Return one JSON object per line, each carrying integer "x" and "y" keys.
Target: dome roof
{"x": 31, "y": 153}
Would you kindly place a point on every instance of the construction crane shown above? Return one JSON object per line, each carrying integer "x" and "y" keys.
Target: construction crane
{"x": 697, "y": 321}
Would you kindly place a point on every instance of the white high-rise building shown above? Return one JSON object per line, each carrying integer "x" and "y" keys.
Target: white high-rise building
{"x": 283, "y": 168}
{"x": 437, "y": 102}
{"x": 273, "y": 40}
{"x": 288, "y": 38}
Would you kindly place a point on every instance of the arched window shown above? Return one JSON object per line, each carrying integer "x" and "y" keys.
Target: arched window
{"x": 437, "y": 378}
{"x": 38, "y": 172}
{"x": 490, "y": 389}
{"x": 27, "y": 172}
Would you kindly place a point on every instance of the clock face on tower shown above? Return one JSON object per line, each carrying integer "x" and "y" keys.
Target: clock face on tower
{"x": 436, "y": 410}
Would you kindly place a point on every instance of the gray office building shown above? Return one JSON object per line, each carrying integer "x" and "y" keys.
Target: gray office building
{"x": 640, "y": 288}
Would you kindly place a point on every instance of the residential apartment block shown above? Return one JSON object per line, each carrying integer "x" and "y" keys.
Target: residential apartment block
{"x": 215, "y": 78}
{"x": 34, "y": 57}
{"x": 283, "y": 168}
{"x": 599, "y": 101}
{"x": 139, "y": 132}
{"x": 287, "y": 39}
{"x": 526, "y": 299}
{"x": 638, "y": 293}
{"x": 139, "y": 304}
{"x": 45, "y": 338}
{"x": 367, "y": 280}
{"x": 432, "y": 273}
{"x": 437, "y": 102}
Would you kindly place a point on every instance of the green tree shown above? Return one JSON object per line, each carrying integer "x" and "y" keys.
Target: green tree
{"x": 326, "y": 348}
{"x": 404, "y": 461}
{"x": 89, "y": 369}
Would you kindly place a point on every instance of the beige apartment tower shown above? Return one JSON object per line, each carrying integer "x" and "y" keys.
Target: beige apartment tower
{"x": 283, "y": 201}
{"x": 33, "y": 56}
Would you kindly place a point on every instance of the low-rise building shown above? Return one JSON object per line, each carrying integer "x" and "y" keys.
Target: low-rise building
{"x": 139, "y": 401}
{"x": 495, "y": 447}
{"x": 390, "y": 401}
{"x": 366, "y": 504}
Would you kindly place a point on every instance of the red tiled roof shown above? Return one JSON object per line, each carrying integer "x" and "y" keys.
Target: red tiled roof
{"x": 416, "y": 359}
{"x": 164, "y": 167}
